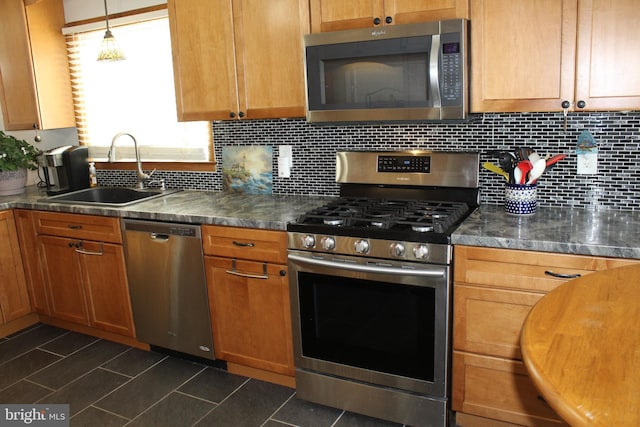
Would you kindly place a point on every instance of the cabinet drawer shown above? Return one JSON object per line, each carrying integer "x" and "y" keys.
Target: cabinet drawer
{"x": 245, "y": 243}
{"x": 90, "y": 227}
{"x": 520, "y": 269}
{"x": 498, "y": 389}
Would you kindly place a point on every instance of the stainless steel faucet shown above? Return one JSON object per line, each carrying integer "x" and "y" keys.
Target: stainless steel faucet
{"x": 142, "y": 177}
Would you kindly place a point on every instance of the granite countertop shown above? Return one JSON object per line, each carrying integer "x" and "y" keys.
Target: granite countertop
{"x": 608, "y": 233}
{"x": 189, "y": 206}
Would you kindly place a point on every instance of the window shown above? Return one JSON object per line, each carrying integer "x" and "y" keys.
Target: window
{"x": 135, "y": 95}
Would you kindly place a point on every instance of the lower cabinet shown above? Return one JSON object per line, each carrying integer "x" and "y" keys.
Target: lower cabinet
{"x": 494, "y": 290}
{"x": 248, "y": 288}
{"x": 84, "y": 280}
{"x": 14, "y": 297}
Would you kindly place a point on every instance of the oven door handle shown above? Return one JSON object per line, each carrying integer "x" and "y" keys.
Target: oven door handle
{"x": 437, "y": 272}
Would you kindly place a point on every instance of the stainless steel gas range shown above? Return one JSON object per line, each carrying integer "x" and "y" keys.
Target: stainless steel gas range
{"x": 371, "y": 283}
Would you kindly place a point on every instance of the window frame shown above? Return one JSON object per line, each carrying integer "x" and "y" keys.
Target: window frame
{"x": 131, "y": 16}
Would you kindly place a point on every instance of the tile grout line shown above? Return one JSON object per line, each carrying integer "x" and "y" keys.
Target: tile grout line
{"x": 157, "y": 402}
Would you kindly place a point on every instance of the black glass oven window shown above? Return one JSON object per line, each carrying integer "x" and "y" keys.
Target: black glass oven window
{"x": 379, "y": 326}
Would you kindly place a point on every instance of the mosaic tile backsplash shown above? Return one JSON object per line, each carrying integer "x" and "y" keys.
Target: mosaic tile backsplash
{"x": 616, "y": 186}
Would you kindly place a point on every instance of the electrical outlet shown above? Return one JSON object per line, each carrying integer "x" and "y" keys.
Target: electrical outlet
{"x": 588, "y": 163}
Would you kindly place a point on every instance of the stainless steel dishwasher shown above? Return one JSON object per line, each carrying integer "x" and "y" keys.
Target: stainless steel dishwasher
{"x": 167, "y": 284}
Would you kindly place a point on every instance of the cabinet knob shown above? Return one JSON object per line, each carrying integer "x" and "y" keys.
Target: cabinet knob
{"x": 232, "y": 114}
{"x": 376, "y": 21}
{"x": 283, "y": 273}
{"x": 565, "y": 104}
{"x": 388, "y": 20}
{"x": 241, "y": 114}
{"x": 581, "y": 104}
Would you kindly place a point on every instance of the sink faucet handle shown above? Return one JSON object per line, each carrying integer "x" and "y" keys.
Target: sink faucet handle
{"x": 152, "y": 172}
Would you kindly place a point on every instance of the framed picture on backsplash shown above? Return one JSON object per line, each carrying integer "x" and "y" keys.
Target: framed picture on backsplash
{"x": 247, "y": 169}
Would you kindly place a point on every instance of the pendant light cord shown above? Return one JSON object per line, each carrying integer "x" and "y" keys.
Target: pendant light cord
{"x": 106, "y": 14}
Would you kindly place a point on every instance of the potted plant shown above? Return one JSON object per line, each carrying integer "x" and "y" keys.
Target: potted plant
{"x": 16, "y": 156}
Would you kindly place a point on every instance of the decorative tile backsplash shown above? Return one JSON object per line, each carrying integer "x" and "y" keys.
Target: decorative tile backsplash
{"x": 616, "y": 186}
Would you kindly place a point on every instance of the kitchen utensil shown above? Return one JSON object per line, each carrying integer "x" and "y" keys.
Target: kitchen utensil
{"x": 496, "y": 169}
{"x": 507, "y": 161}
{"x": 523, "y": 169}
{"x": 537, "y": 170}
{"x": 554, "y": 159}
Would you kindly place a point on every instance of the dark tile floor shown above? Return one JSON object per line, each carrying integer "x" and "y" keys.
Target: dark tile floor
{"x": 108, "y": 384}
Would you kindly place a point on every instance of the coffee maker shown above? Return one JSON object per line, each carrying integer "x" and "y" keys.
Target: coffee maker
{"x": 65, "y": 169}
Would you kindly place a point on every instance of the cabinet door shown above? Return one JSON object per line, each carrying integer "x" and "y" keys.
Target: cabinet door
{"x": 106, "y": 287}
{"x": 335, "y": 15}
{"x": 608, "y": 59}
{"x": 63, "y": 279}
{"x": 498, "y": 389}
{"x": 26, "y": 227}
{"x": 410, "y": 11}
{"x": 204, "y": 63}
{"x": 489, "y": 321}
{"x": 14, "y": 298}
{"x": 269, "y": 55}
{"x": 523, "y": 54}
{"x": 250, "y": 317}
{"x": 35, "y": 87}
{"x": 18, "y": 93}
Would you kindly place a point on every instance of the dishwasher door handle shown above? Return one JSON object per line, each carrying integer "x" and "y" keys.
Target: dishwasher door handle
{"x": 159, "y": 237}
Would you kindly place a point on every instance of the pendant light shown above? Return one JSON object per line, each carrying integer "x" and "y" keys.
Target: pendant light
{"x": 109, "y": 49}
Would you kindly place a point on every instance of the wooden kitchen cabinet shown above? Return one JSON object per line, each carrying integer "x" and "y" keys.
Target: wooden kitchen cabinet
{"x": 85, "y": 280}
{"x": 494, "y": 290}
{"x": 248, "y": 288}
{"x": 335, "y": 15}
{"x": 532, "y": 56}
{"x": 28, "y": 236}
{"x": 14, "y": 297}
{"x": 35, "y": 87}
{"x": 238, "y": 59}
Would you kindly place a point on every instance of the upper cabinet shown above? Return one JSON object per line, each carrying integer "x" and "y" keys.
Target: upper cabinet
{"x": 335, "y": 15}
{"x": 535, "y": 56}
{"x": 35, "y": 88}
{"x": 238, "y": 58}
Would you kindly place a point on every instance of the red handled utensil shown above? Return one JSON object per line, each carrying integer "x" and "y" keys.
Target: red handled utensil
{"x": 555, "y": 159}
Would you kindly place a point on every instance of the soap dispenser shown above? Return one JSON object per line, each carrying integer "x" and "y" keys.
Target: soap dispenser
{"x": 93, "y": 177}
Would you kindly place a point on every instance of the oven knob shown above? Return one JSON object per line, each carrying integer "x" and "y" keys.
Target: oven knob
{"x": 397, "y": 249}
{"x": 328, "y": 243}
{"x": 421, "y": 251}
{"x": 308, "y": 241}
{"x": 361, "y": 246}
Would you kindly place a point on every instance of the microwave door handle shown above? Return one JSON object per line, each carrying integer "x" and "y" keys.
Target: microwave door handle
{"x": 434, "y": 70}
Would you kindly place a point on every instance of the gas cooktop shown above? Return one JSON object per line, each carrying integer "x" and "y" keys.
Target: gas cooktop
{"x": 413, "y": 220}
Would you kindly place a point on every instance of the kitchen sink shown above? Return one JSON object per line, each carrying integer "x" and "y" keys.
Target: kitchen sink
{"x": 108, "y": 196}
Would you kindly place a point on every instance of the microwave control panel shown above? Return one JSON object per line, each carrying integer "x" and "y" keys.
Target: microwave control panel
{"x": 451, "y": 82}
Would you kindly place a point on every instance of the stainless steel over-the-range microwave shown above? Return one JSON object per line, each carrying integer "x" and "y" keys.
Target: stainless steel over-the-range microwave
{"x": 412, "y": 72}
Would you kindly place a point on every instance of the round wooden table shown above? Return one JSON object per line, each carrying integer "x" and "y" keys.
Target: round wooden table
{"x": 581, "y": 346}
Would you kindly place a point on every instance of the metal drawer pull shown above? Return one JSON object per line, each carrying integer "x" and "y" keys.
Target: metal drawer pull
{"x": 74, "y": 227}
{"x": 247, "y": 244}
{"x": 81, "y": 250}
{"x": 562, "y": 276}
{"x": 235, "y": 272}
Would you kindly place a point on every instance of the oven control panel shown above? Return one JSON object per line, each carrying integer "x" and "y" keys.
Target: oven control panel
{"x": 420, "y": 164}
{"x": 376, "y": 248}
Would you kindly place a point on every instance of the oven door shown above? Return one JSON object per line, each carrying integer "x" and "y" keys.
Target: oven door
{"x": 375, "y": 321}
